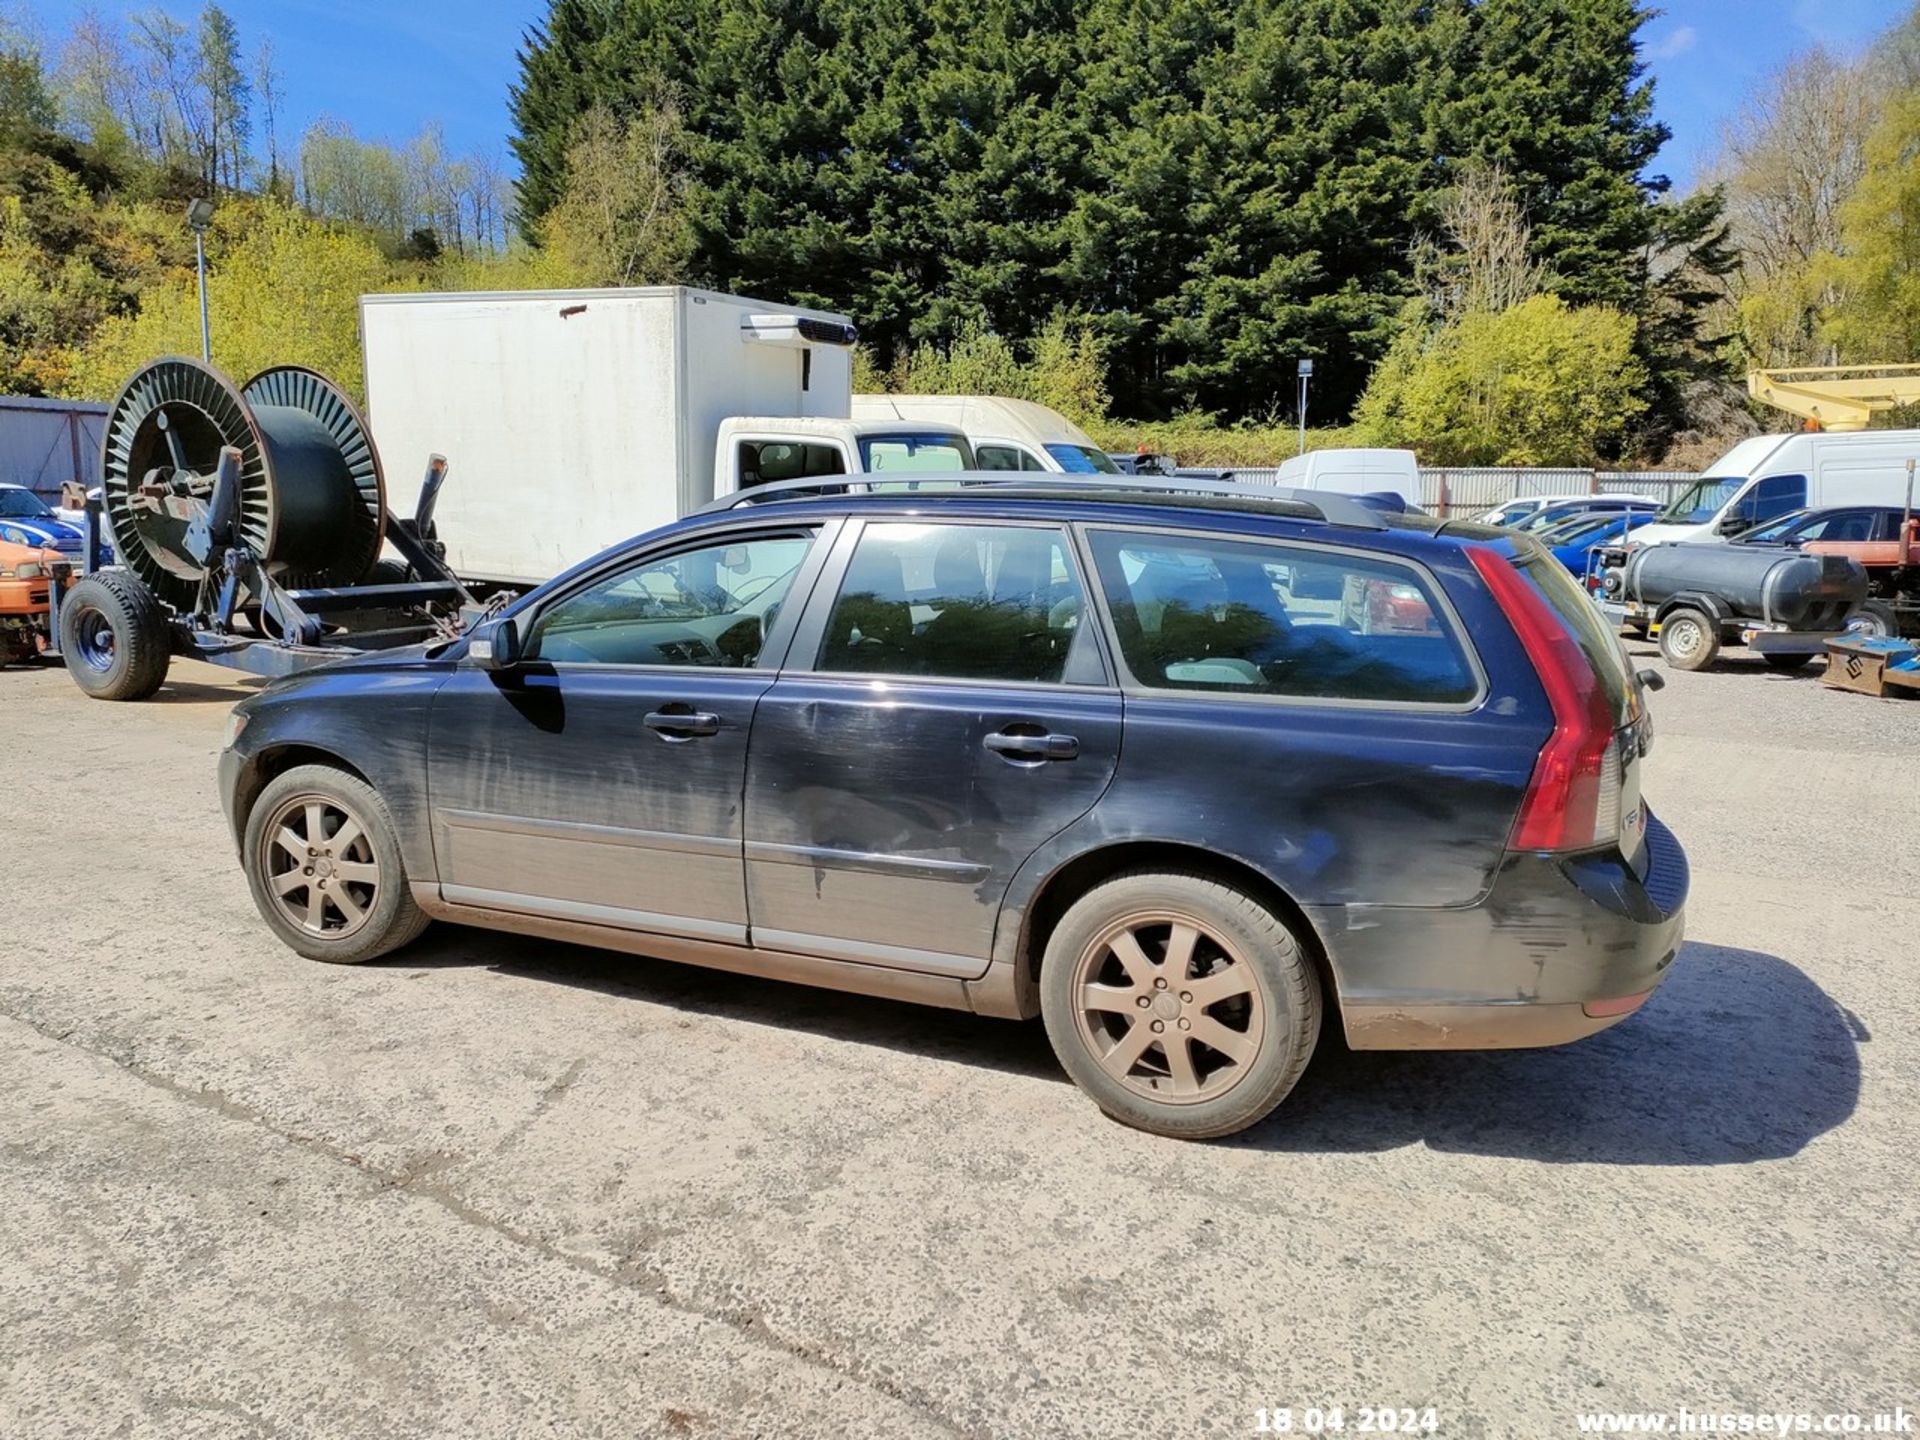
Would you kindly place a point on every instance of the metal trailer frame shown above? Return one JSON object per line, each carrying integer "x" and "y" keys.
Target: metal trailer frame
{"x": 300, "y": 638}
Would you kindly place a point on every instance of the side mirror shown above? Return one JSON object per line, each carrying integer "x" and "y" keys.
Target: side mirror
{"x": 1734, "y": 523}
{"x": 495, "y": 644}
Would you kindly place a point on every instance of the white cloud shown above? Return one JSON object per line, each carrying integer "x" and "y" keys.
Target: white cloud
{"x": 1676, "y": 43}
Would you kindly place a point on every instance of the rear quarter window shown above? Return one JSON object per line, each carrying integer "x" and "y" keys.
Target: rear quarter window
{"x": 1251, "y": 618}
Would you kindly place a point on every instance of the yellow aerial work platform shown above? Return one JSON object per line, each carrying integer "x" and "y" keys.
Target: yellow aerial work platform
{"x": 1838, "y": 397}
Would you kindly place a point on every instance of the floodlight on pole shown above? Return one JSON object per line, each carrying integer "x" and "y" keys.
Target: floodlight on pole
{"x": 1306, "y": 373}
{"x": 199, "y": 217}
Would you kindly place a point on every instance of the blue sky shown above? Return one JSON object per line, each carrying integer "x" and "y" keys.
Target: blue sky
{"x": 389, "y": 66}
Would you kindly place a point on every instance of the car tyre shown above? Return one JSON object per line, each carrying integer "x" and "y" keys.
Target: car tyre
{"x": 323, "y": 861}
{"x": 1689, "y": 639}
{"x": 1153, "y": 966}
{"x": 114, "y": 636}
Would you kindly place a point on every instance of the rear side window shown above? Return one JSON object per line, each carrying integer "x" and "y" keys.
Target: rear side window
{"x": 1257, "y": 619}
{"x": 764, "y": 461}
{"x": 975, "y": 602}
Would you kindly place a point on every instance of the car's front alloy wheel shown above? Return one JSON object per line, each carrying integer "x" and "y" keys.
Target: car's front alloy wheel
{"x": 325, "y": 868}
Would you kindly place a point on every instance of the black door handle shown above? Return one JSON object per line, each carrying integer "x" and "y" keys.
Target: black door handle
{"x": 683, "y": 724}
{"x": 1033, "y": 747}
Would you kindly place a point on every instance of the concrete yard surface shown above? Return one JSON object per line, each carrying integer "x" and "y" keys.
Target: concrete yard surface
{"x": 495, "y": 1186}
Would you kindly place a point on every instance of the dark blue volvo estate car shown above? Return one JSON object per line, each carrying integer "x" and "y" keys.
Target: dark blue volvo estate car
{"x": 1180, "y": 768}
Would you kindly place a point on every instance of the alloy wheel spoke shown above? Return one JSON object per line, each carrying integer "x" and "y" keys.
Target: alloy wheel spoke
{"x": 1233, "y": 1044}
{"x": 1180, "y": 945}
{"x": 1221, "y": 985}
{"x": 346, "y": 904}
{"x": 290, "y": 880}
{"x": 1126, "y": 949}
{"x": 361, "y": 872}
{"x": 290, "y": 842}
{"x": 1179, "y": 1053}
{"x": 316, "y": 908}
{"x": 342, "y": 839}
{"x": 1109, "y": 999}
{"x": 1128, "y": 1049}
{"x": 316, "y": 822}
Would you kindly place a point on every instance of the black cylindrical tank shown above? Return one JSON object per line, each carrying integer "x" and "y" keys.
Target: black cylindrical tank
{"x": 1756, "y": 582}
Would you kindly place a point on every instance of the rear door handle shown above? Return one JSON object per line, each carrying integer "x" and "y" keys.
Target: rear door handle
{"x": 1034, "y": 747}
{"x": 683, "y": 724}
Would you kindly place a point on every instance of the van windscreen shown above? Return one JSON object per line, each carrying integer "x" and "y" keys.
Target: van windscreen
{"x": 1702, "y": 500}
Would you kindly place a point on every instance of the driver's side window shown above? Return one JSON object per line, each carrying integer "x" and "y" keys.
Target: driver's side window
{"x": 711, "y": 606}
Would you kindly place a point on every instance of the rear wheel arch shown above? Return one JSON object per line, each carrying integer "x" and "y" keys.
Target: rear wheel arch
{"x": 1069, "y": 881}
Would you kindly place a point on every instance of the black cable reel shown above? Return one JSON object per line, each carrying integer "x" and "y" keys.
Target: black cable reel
{"x": 311, "y": 506}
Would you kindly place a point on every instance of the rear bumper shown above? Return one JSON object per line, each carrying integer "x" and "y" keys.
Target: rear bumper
{"x": 1559, "y": 948}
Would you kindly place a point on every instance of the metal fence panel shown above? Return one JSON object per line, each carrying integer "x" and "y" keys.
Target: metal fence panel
{"x": 1468, "y": 490}
{"x": 44, "y": 443}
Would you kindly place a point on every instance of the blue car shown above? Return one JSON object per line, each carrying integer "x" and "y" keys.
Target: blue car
{"x": 1095, "y": 751}
{"x": 26, "y": 519}
{"x": 1573, "y": 545}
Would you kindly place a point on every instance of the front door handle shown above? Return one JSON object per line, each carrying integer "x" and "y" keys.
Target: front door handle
{"x": 1033, "y": 747}
{"x": 683, "y": 724}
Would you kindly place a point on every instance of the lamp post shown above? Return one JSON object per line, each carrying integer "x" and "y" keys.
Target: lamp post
{"x": 199, "y": 217}
{"x": 1306, "y": 374}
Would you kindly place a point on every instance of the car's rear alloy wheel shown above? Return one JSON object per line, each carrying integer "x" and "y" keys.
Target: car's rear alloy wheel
{"x": 1182, "y": 1005}
{"x": 1168, "y": 1008}
{"x": 325, "y": 868}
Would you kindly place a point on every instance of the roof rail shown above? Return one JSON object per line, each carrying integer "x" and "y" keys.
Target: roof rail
{"x": 1334, "y": 509}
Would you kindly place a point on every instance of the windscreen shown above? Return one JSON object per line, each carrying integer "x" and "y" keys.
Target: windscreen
{"x": 1083, "y": 460}
{"x": 23, "y": 505}
{"x": 914, "y": 454}
{"x": 1702, "y": 500}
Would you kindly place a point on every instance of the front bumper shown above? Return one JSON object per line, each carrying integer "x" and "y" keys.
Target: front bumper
{"x": 232, "y": 764}
{"x": 1560, "y": 947}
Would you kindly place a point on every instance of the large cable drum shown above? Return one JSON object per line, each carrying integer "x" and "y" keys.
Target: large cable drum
{"x": 312, "y": 502}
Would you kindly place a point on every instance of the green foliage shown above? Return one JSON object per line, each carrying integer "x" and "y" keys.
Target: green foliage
{"x": 621, "y": 219}
{"x": 1064, "y": 367}
{"x": 1542, "y": 383}
{"x": 1214, "y": 187}
{"x": 26, "y": 105}
{"x": 1876, "y": 276}
{"x": 286, "y": 292}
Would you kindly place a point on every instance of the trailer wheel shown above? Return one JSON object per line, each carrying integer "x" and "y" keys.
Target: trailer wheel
{"x": 1873, "y": 618}
{"x": 1689, "y": 639}
{"x": 114, "y": 636}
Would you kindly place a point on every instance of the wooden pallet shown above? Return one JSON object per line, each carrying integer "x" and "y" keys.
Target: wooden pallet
{"x": 1872, "y": 665}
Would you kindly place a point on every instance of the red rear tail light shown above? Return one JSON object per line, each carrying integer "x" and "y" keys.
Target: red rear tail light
{"x": 1573, "y": 798}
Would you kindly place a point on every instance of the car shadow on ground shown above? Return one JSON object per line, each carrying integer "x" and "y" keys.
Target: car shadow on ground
{"x": 956, "y": 1035}
{"x": 1738, "y": 1057}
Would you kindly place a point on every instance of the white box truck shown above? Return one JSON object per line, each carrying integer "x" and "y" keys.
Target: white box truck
{"x": 574, "y": 419}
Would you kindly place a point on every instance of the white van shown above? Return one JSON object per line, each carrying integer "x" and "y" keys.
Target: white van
{"x": 1769, "y": 475}
{"x": 1006, "y": 434}
{"x": 1355, "y": 472}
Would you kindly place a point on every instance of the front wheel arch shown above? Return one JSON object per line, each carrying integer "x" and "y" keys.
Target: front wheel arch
{"x": 272, "y": 761}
